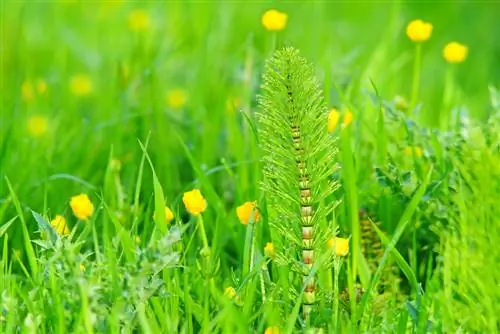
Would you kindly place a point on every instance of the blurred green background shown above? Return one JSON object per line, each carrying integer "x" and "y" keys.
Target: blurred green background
{"x": 211, "y": 55}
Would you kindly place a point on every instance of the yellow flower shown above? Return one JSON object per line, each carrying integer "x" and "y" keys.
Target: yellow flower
{"x": 194, "y": 202}
{"x": 169, "y": 215}
{"x": 272, "y": 330}
{"x": 455, "y": 52}
{"x": 137, "y": 239}
{"x": 41, "y": 86}
{"x": 37, "y": 125}
{"x": 414, "y": 151}
{"x": 59, "y": 225}
{"x": 269, "y": 250}
{"x": 230, "y": 292}
{"x": 82, "y": 206}
{"x": 28, "y": 89}
{"x": 176, "y": 98}
{"x": 81, "y": 85}
{"x": 340, "y": 246}
{"x": 232, "y": 104}
{"x": 274, "y": 20}
{"x": 333, "y": 119}
{"x": 419, "y": 31}
{"x": 138, "y": 20}
{"x": 82, "y": 267}
{"x": 347, "y": 118}
{"x": 400, "y": 102}
{"x": 246, "y": 211}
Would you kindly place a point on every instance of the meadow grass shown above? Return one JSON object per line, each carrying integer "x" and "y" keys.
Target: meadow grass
{"x": 135, "y": 104}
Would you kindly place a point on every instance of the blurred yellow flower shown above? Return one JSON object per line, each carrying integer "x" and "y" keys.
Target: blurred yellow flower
{"x": 137, "y": 239}
{"x": 333, "y": 119}
{"x": 59, "y": 225}
{"x": 419, "y": 31}
{"x": 82, "y": 267}
{"x": 272, "y": 330}
{"x": 347, "y": 118}
{"x": 194, "y": 202}
{"x": 230, "y": 292}
{"x": 37, "y": 125}
{"x": 28, "y": 89}
{"x": 82, "y": 206}
{"x": 232, "y": 104}
{"x": 139, "y": 20}
{"x": 401, "y": 103}
{"x": 455, "y": 52}
{"x": 169, "y": 215}
{"x": 246, "y": 211}
{"x": 339, "y": 245}
{"x": 414, "y": 151}
{"x": 269, "y": 250}
{"x": 176, "y": 98}
{"x": 274, "y": 20}
{"x": 81, "y": 85}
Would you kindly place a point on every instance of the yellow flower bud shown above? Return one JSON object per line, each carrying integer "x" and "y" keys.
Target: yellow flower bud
{"x": 37, "y": 125}
{"x": 272, "y": 330}
{"x": 230, "y": 292}
{"x": 176, "y": 98}
{"x": 138, "y": 20}
{"x": 339, "y": 245}
{"x": 269, "y": 250}
{"x": 333, "y": 119}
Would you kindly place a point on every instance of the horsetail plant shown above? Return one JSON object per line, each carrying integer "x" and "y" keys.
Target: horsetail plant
{"x": 298, "y": 163}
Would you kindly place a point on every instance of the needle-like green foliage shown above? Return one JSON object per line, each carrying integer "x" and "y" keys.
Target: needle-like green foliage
{"x": 298, "y": 158}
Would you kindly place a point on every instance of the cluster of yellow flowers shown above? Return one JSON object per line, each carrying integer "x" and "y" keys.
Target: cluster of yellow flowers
{"x": 420, "y": 31}
{"x": 334, "y": 117}
{"x": 30, "y": 89}
{"x": 82, "y": 208}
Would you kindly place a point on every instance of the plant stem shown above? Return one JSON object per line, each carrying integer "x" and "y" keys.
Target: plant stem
{"x": 203, "y": 233}
{"x": 416, "y": 76}
{"x": 337, "y": 265}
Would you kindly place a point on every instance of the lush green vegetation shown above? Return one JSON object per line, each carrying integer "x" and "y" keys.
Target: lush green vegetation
{"x": 140, "y": 189}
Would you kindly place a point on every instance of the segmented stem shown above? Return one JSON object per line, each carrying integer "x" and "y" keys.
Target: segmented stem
{"x": 306, "y": 213}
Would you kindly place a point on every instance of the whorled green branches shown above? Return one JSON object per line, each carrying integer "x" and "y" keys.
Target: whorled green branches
{"x": 298, "y": 160}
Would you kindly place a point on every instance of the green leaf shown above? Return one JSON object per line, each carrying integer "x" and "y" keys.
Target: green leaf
{"x": 6, "y": 226}
{"x": 45, "y": 226}
{"x": 30, "y": 251}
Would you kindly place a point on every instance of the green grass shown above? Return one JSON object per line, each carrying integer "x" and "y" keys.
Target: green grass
{"x": 133, "y": 153}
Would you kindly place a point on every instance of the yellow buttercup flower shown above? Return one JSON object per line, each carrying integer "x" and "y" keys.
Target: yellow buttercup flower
{"x": 269, "y": 250}
{"x": 27, "y": 91}
{"x": 37, "y": 125}
{"x": 347, "y": 118}
{"x": 333, "y": 119}
{"x": 414, "y": 151}
{"x": 419, "y": 31}
{"x": 82, "y": 206}
{"x": 169, "y": 215}
{"x": 59, "y": 225}
{"x": 246, "y": 211}
{"x": 176, "y": 98}
{"x": 230, "y": 292}
{"x": 139, "y": 20}
{"x": 194, "y": 202}
{"x": 82, "y": 267}
{"x": 274, "y": 20}
{"x": 455, "y": 52}
{"x": 339, "y": 245}
{"x": 81, "y": 85}
{"x": 272, "y": 330}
